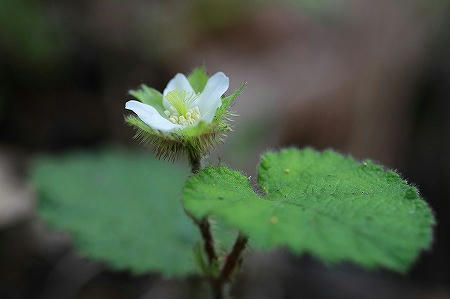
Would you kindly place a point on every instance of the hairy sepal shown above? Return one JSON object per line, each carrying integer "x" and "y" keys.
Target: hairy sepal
{"x": 192, "y": 141}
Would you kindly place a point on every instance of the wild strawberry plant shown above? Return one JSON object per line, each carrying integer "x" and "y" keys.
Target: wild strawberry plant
{"x": 137, "y": 213}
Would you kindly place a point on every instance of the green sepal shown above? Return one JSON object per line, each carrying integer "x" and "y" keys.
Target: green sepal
{"x": 149, "y": 96}
{"x": 191, "y": 141}
{"x": 198, "y": 78}
{"x": 226, "y": 102}
{"x": 320, "y": 203}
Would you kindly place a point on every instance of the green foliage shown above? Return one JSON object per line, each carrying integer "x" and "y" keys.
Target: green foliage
{"x": 323, "y": 204}
{"x": 149, "y": 96}
{"x": 224, "y": 235}
{"x": 198, "y": 79}
{"x": 120, "y": 208}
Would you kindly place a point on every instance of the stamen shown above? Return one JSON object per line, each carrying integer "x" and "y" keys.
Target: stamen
{"x": 191, "y": 117}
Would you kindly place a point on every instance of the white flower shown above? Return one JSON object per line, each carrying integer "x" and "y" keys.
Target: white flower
{"x": 183, "y": 107}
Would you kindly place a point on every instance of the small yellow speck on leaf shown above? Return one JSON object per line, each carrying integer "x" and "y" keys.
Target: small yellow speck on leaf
{"x": 274, "y": 219}
{"x": 287, "y": 170}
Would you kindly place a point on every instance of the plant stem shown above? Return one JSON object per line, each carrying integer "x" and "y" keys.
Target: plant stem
{"x": 195, "y": 162}
{"x": 204, "y": 226}
{"x": 217, "y": 283}
{"x": 233, "y": 258}
{"x": 208, "y": 240}
{"x": 218, "y": 289}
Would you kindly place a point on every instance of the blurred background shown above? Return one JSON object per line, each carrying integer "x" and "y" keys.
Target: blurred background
{"x": 367, "y": 78}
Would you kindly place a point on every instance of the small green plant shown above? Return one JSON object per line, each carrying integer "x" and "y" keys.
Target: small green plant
{"x": 124, "y": 208}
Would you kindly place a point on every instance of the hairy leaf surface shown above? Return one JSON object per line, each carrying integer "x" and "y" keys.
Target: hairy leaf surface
{"x": 324, "y": 204}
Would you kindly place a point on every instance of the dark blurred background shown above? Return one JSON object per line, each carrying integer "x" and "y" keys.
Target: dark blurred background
{"x": 368, "y": 78}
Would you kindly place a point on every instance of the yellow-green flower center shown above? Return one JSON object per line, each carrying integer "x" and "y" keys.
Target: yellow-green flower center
{"x": 179, "y": 111}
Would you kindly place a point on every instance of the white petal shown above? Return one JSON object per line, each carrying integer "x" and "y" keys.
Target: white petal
{"x": 151, "y": 117}
{"x": 210, "y": 98}
{"x": 179, "y": 82}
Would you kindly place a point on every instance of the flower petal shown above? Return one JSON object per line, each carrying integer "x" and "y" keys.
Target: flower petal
{"x": 210, "y": 98}
{"x": 179, "y": 82}
{"x": 151, "y": 117}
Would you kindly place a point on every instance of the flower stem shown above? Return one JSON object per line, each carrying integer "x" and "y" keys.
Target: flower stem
{"x": 194, "y": 161}
{"x": 208, "y": 240}
{"x": 218, "y": 283}
{"x": 205, "y": 230}
{"x": 233, "y": 258}
{"x": 204, "y": 226}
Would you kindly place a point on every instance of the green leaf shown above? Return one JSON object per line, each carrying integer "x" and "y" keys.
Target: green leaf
{"x": 323, "y": 204}
{"x": 120, "y": 208}
{"x": 224, "y": 236}
{"x": 198, "y": 79}
{"x": 226, "y": 102}
{"x": 149, "y": 96}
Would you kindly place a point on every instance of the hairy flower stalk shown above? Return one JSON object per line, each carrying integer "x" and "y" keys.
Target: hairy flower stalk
{"x": 189, "y": 117}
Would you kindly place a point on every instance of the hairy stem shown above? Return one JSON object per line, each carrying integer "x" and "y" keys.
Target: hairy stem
{"x": 208, "y": 240}
{"x": 233, "y": 258}
{"x": 205, "y": 230}
{"x": 204, "y": 226}
{"x": 195, "y": 162}
{"x": 232, "y": 261}
{"x": 218, "y": 284}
